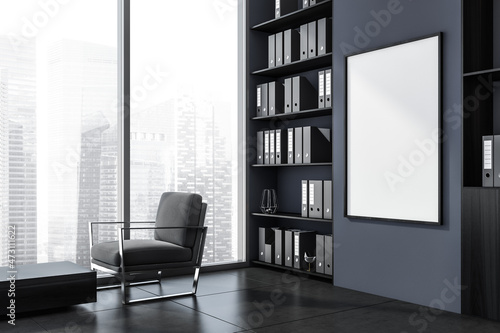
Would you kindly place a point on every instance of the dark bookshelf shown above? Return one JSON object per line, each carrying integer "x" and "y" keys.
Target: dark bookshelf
{"x": 298, "y": 17}
{"x": 291, "y": 216}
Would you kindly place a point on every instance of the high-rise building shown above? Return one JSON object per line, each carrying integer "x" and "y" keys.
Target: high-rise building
{"x": 81, "y": 109}
{"x": 18, "y": 160}
{"x": 179, "y": 146}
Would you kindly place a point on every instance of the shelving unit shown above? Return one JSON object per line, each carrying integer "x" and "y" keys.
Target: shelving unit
{"x": 481, "y": 115}
{"x": 285, "y": 178}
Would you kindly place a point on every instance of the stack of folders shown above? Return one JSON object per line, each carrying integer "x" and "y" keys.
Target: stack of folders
{"x": 283, "y": 7}
{"x": 491, "y": 161}
{"x": 300, "y": 145}
{"x": 310, "y": 40}
{"x": 317, "y": 199}
{"x": 289, "y": 247}
{"x": 325, "y": 89}
{"x": 294, "y": 95}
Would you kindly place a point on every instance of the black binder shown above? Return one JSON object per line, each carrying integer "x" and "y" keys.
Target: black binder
{"x": 284, "y": 7}
{"x": 260, "y": 147}
{"x": 328, "y": 88}
{"x": 303, "y": 94}
{"x": 496, "y": 160}
{"x": 305, "y": 199}
{"x": 321, "y": 89}
{"x": 271, "y": 51}
{"x": 279, "y": 245}
{"x": 324, "y": 36}
{"x": 289, "y": 247}
{"x": 320, "y": 254}
{"x": 279, "y": 49}
{"x": 275, "y": 98}
{"x": 316, "y": 146}
{"x": 316, "y": 199}
{"x": 288, "y": 95}
{"x": 327, "y": 200}
{"x": 291, "y": 146}
{"x": 281, "y": 146}
{"x": 304, "y": 243}
{"x": 488, "y": 160}
{"x": 303, "y": 42}
{"x": 291, "y": 46}
{"x": 298, "y": 145}
{"x": 266, "y": 147}
{"x": 329, "y": 254}
{"x": 311, "y": 39}
{"x": 266, "y": 244}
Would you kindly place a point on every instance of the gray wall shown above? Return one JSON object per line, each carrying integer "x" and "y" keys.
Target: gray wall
{"x": 410, "y": 262}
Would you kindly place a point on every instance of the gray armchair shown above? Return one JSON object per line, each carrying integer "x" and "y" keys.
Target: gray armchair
{"x": 179, "y": 239}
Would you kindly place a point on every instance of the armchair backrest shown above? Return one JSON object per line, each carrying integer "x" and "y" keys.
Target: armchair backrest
{"x": 178, "y": 209}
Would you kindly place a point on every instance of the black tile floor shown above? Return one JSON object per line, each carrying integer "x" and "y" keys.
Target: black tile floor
{"x": 249, "y": 300}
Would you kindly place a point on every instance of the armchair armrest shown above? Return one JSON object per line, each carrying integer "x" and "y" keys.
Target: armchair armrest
{"x": 91, "y": 227}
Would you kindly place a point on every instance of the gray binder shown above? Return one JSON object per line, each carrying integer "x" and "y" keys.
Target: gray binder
{"x": 324, "y": 36}
{"x": 305, "y": 199}
{"x": 288, "y": 95}
{"x": 311, "y": 39}
{"x": 259, "y": 101}
{"x": 304, "y": 242}
{"x": 279, "y": 49}
{"x": 281, "y": 146}
{"x": 298, "y": 145}
{"x": 291, "y": 46}
{"x": 275, "y": 98}
{"x": 303, "y": 42}
{"x": 260, "y": 147}
{"x": 488, "y": 160}
{"x": 303, "y": 94}
{"x": 327, "y": 200}
{"x": 264, "y": 99}
{"x": 321, "y": 89}
{"x": 305, "y": 3}
{"x": 316, "y": 199}
{"x": 328, "y": 88}
{"x": 329, "y": 254}
{"x": 320, "y": 254}
{"x": 262, "y": 243}
{"x": 272, "y": 146}
{"x": 291, "y": 146}
{"x": 316, "y": 145}
{"x": 266, "y": 147}
{"x": 271, "y": 51}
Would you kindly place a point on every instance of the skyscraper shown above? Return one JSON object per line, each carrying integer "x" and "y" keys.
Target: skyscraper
{"x": 82, "y": 93}
{"x": 18, "y": 160}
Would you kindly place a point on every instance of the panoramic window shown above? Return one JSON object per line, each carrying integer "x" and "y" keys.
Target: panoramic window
{"x": 59, "y": 135}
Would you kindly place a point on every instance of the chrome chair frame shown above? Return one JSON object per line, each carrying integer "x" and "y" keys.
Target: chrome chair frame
{"x": 122, "y": 273}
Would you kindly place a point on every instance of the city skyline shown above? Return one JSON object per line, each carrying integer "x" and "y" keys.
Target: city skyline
{"x": 177, "y": 145}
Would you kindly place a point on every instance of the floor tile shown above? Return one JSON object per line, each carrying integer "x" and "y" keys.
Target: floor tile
{"x": 209, "y": 283}
{"x": 22, "y": 325}
{"x": 170, "y": 317}
{"x": 390, "y": 317}
{"x": 293, "y": 300}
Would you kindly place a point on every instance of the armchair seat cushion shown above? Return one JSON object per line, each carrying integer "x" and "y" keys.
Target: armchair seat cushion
{"x": 140, "y": 252}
